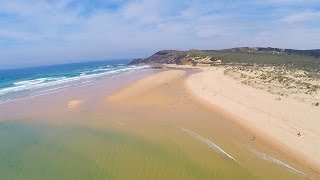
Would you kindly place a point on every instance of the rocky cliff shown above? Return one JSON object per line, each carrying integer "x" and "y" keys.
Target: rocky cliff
{"x": 163, "y": 57}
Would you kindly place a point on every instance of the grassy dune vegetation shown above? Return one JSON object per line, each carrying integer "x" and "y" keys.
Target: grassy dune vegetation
{"x": 298, "y": 61}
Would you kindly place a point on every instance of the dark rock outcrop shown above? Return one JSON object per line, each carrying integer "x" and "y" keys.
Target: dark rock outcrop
{"x": 163, "y": 57}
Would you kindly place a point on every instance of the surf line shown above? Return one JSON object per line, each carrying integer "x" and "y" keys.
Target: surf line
{"x": 207, "y": 142}
{"x": 272, "y": 159}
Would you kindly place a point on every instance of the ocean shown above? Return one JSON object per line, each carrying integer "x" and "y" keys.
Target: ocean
{"x": 23, "y": 83}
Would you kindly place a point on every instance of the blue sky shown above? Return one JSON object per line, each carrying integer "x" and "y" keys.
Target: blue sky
{"x": 38, "y": 32}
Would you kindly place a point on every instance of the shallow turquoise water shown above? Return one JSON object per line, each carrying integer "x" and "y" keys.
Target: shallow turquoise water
{"x": 40, "y": 151}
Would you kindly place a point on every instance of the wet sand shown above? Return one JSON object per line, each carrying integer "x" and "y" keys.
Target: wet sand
{"x": 191, "y": 113}
{"x": 291, "y": 124}
{"x": 140, "y": 127}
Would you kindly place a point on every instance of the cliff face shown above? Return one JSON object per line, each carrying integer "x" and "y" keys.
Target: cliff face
{"x": 137, "y": 61}
{"x": 163, "y": 57}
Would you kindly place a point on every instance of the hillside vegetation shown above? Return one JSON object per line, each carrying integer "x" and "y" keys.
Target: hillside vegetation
{"x": 302, "y": 59}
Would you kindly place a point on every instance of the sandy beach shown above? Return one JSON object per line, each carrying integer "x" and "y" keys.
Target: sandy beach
{"x": 146, "y": 125}
{"x": 159, "y": 90}
{"x": 289, "y": 124}
{"x": 139, "y": 94}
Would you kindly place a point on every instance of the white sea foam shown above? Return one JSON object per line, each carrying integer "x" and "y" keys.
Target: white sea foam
{"x": 5, "y": 101}
{"x": 56, "y": 83}
{"x": 50, "y": 90}
{"x": 45, "y": 82}
{"x": 30, "y": 82}
{"x": 99, "y": 70}
{"x": 207, "y": 142}
{"x": 31, "y": 96}
{"x": 273, "y": 160}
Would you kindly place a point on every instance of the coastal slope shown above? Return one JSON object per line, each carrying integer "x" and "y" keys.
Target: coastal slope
{"x": 305, "y": 59}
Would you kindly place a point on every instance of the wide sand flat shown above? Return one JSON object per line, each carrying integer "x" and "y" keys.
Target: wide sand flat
{"x": 167, "y": 104}
{"x": 280, "y": 121}
{"x": 141, "y": 126}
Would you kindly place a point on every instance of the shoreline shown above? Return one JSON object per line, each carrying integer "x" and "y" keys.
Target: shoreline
{"x": 20, "y": 108}
{"x": 277, "y": 145}
{"x": 217, "y": 100}
{"x": 156, "y": 108}
{"x": 273, "y": 151}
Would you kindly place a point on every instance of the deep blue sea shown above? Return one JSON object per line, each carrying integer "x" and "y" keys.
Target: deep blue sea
{"x": 34, "y": 81}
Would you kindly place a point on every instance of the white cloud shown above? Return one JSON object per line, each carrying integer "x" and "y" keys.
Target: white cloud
{"x": 302, "y": 17}
{"x": 49, "y": 31}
